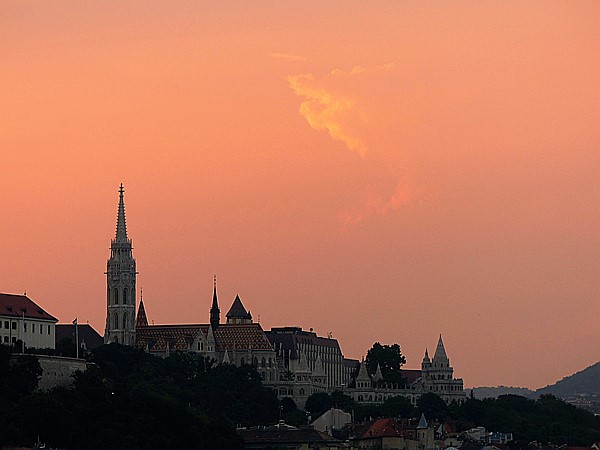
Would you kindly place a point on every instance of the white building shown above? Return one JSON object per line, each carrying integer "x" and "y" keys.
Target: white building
{"x": 22, "y": 319}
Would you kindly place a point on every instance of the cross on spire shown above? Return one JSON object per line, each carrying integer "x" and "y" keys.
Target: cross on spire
{"x": 121, "y": 235}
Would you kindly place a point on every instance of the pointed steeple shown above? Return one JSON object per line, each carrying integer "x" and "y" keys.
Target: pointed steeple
{"x": 215, "y": 312}
{"x": 440, "y": 352}
{"x": 141, "y": 320}
{"x": 363, "y": 375}
{"x": 303, "y": 364}
{"x": 121, "y": 234}
{"x": 377, "y": 376}
{"x": 422, "y": 422}
{"x": 426, "y": 359}
{"x": 226, "y": 358}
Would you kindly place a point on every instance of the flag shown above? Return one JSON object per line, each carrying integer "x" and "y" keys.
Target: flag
{"x": 75, "y": 321}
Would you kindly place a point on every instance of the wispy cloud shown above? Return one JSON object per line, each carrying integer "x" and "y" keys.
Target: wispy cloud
{"x": 377, "y": 203}
{"x": 333, "y": 102}
{"x": 287, "y": 56}
{"x": 325, "y": 109}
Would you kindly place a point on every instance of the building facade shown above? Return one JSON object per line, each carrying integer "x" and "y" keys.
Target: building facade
{"x": 120, "y": 284}
{"x": 436, "y": 376}
{"x": 23, "y": 320}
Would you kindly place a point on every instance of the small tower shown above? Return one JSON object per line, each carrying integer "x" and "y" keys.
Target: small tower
{"x": 215, "y": 312}
{"x": 120, "y": 284}
{"x": 142, "y": 319}
{"x": 237, "y": 314}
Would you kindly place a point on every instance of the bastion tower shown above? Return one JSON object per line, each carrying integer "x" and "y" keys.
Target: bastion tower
{"x": 120, "y": 285}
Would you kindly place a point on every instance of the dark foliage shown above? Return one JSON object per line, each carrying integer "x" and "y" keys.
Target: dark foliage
{"x": 390, "y": 360}
{"x": 132, "y": 400}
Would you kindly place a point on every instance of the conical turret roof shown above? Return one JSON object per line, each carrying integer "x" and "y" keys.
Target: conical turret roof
{"x": 363, "y": 375}
{"x": 237, "y": 310}
{"x": 141, "y": 320}
{"x": 440, "y": 351}
{"x": 303, "y": 364}
{"x": 377, "y": 376}
{"x": 426, "y": 357}
{"x": 422, "y": 422}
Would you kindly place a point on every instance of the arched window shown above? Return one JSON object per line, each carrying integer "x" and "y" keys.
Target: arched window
{"x": 255, "y": 362}
{"x": 263, "y": 362}
{"x": 301, "y": 391}
{"x": 270, "y": 376}
{"x": 242, "y": 362}
{"x": 270, "y": 362}
{"x": 125, "y": 296}
{"x": 116, "y": 321}
{"x": 116, "y": 340}
{"x": 291, "y": 392}
{"x": 125, "y": 321}
{"x": 115, "y": 296}
{"x": 360, "y": 398}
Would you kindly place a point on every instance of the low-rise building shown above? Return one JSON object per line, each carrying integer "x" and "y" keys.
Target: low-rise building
{"x": 21, "y": 319}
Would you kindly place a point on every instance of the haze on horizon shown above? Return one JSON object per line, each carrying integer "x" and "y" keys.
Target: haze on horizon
{"x": 386, "y": 172}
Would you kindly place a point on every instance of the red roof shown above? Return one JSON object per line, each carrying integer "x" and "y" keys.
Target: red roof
{"x": 383, "y": 428}
{"x": 20, "y": 305}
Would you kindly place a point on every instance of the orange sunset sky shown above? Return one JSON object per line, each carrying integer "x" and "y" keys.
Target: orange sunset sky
{"x": 385, "y": 170}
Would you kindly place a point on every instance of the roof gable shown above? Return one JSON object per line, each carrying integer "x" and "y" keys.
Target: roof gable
{"x": 22, "y": 306}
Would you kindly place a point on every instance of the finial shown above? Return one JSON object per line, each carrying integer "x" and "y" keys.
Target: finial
{"x": 215, "y": 280}
{"x": 141, "y": 294}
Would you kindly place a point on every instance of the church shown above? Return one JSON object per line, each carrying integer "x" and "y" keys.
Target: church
{"x": 294, "y": 362}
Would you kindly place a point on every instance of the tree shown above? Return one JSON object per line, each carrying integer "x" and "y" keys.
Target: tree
{"x": 398, "y": 406}
{"x": 390, "y": 360}
{"x": 433, "y": 406}
{"x": 317, "y": 404}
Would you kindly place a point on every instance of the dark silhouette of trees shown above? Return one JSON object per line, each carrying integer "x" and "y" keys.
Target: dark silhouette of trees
{"x": 390, "y": 360}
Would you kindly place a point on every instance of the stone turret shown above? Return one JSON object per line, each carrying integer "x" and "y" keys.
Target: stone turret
{"x": 363, "y": 380}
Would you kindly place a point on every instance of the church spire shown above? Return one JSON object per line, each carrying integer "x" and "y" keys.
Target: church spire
{"x": 121, "y": 235}
{"x": 142, "y": 319}
{"x": 215, "y": 312}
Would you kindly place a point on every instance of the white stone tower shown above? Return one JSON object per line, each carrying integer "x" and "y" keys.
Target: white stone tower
{"x": 120, "y": 285}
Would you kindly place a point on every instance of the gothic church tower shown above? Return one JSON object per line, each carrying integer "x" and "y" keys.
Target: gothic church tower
{"x": 120, "y": 285}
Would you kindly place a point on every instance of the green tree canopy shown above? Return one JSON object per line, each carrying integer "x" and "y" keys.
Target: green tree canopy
{"x": 390, "y": 360}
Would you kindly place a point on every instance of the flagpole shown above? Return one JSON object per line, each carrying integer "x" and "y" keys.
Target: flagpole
{"x": 76, "y": 338}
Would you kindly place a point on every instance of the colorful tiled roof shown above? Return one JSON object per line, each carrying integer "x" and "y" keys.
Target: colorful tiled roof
{"x": 181, "y": 337}
{"x": 20, "y": 305}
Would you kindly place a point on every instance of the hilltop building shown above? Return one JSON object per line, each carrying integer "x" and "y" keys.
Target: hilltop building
{"x": 120, "y": 284}
{"x": 22, "y": 319}
{"x": 436, "y": 375}
{"x": 294, "y": 362}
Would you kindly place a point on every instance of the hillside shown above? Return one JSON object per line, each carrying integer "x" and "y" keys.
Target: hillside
{"x": 586, "y": 382}
{"x": 496, "y": 391}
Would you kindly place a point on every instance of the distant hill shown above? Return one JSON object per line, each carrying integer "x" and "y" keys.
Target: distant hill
{"x": 586, "y": 382}
{"x": 496, "y": 391}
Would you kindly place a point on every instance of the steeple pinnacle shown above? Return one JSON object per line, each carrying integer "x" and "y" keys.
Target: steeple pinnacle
{"x": 121, "y": 235}
{"x": 440, "y": 352}
{"x": 215, "y": 312}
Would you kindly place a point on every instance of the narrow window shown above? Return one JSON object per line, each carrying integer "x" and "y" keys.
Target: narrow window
{"x": 115, "y": 296}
